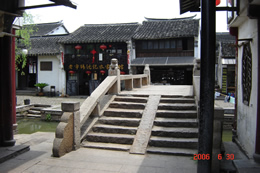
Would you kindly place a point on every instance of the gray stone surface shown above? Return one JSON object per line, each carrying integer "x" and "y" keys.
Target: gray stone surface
{"x": 39, "y": 159}
{"x": 70, "y": 106}
{"x": 144, "y": 130}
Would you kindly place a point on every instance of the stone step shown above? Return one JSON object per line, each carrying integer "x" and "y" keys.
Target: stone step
{"x": 177, "y": 96}
{"x": 175, "y": 132}
{"x": 110, "y": 138}
{"x": 177, "y": 100}
{"x": 176, "y": 106}
{"x": 132, "y": 122}
{"x": 176, "y": 122}
{"x": 130, "y": 99}
{"x": 34, "y": 112}
{"x": 103, "y": 128}
{"x": 176, "y": 113}
{"x": 112, "y": 112}
{"x": 172, "y": 151}
{"x": 190, "y": 143}
{"x": 33, "y": 116}
{"x": 108, "y": 146}
{"x": 37, "y": 108}
{"x": 127, "y": 105}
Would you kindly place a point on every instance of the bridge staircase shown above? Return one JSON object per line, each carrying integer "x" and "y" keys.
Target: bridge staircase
{"x": 173, "y": 129}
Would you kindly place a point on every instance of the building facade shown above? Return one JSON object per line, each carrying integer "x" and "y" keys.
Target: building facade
{"x": 88, "y": 52}
{"x": 45, "y": 59}
{"x": 225, "y": 62}
{"x": 245, "y": 25}
{"x": 169, "y": 46}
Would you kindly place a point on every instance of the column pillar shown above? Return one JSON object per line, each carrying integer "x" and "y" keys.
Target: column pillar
{"x": 6, "y": 95}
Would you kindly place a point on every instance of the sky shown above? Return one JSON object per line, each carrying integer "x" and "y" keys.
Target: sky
{"x": 113, "y": 11}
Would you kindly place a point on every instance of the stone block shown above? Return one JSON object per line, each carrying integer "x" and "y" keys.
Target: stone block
{"x": 70, "y": 106}
{"x": 76, "y": 130}
{"x": 64, "y": 136}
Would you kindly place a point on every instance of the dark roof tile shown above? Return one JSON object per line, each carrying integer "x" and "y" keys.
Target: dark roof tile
{"x": 163, "y": 29}
{"x": 45, "y": 28}
{"x": 45, "y": 45}
{"x": 102, "y": 33}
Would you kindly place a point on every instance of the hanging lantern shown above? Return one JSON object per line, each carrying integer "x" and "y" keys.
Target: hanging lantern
{"x": 88, "y": 72}
{"x": 72, "y": 72}
{"x": 122, "y": 72}
{"x": 103, "y": 47}
{"x": 78, "y": 47}
{"x": 102, "y": 72}
{"x": 218, "y": 2}
{"x": 93, "y": 58}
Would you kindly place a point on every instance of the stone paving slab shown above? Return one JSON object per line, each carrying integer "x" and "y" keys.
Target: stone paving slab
{"x": 39, "y": 159}
{"x": 145, "y": 128}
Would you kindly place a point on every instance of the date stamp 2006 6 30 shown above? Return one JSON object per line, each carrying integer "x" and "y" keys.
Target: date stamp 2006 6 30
{"x": 207, "y": 156}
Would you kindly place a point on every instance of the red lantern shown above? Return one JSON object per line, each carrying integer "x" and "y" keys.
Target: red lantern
{"x": 78, "y": 47}
{"x": 88, "y": 72}
{"x": 72, "y": 72}
{"x": 102, "y": 72}
{"x": 122, "y": 72}
{"x": 218, "y": 2}
{"x": 103, "y": 47}
{"x": 93, "y": 58}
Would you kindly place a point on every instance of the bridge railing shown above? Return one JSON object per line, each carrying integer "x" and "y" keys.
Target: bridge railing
{"x": 73, "y": 119}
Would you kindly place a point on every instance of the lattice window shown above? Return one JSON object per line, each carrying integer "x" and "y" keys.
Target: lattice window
{"x": 246, "y": 73}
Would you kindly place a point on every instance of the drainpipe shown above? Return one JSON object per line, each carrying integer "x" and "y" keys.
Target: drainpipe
{"x": 207, "y": 83}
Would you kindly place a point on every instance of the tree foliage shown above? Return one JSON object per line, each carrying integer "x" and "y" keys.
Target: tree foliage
{"x": 23, "y": 41}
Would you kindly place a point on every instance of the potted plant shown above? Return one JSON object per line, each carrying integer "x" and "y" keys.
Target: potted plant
{"x": 41, "y": 86}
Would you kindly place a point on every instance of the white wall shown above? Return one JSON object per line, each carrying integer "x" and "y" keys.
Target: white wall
{"x": 58, "y": 31}
{"x": 246, "y": 120}
{"x": 56, "y": 77}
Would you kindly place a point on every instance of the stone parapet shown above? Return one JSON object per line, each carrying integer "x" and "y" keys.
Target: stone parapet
{"x": 67, "y": 136}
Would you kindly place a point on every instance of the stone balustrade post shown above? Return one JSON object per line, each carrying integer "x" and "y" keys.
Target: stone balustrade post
{"x": 148, "y": 72}
{"x": 67, "y": 136}
{"x": 114, "y": 71}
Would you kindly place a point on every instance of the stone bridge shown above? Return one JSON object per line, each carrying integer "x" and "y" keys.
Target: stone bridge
{"x": 139, "y": 119}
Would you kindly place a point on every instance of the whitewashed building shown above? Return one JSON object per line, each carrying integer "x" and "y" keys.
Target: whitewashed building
{"x": 245, "y": 25}
{"x": 45, "y": 59}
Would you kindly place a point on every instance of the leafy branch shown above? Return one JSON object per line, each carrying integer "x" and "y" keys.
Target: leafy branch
{"x": 23, "y": 41}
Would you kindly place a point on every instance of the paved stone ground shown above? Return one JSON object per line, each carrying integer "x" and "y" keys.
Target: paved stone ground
{"x": 39, "y": 160}
{"x": 54, "y": 101}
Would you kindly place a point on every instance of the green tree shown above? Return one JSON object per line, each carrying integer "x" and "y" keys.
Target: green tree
{"x": 23, "y": 41}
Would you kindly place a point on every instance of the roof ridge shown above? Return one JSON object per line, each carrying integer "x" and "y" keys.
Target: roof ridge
{"x": 171, "y": 19}
{"x": 112, "y": 24}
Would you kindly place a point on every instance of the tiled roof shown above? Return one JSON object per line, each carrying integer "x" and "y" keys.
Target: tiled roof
{"x": 45, "y": 45}
{"x": 227, "y": 43}
{"x": 163, "y": 61}
{"x": 45, "y": 28}
{"x": 225, "y": 37}
{"x": 163, "y": 29}
{"x": 102, "y": 33}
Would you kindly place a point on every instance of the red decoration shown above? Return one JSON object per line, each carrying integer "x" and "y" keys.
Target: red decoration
{"x": 72, "y": 72}
{"x": 103, "y": 47}
{"x": 88, "y": 72}
{"x": 218, "y": 2}
{"x": 102, "y": 72}
{"x": 93, "y": 58}
{"x": 122, "y": 72}
{"x": 78, "y": 47}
